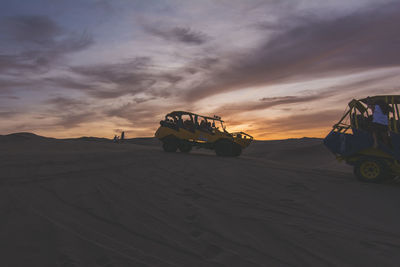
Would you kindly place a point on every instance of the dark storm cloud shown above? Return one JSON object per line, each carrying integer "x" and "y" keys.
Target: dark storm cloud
{"x": 313, "y": 47}
{"x": 178, "y": 34}
{"x": 34, "y": 43}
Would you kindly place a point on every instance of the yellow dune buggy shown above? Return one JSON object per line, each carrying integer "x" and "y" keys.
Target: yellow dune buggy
{"x": 184, "y": 130}
{"x": 351, "y": 140}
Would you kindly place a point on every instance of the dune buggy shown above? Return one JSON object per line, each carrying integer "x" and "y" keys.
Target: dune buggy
{"x": 351, "y": 140}
{"x": 184, "y": 130}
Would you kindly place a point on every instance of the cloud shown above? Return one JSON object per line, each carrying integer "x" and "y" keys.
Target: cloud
{"x": 8, "y": 114}
{"x": 120, "y": 79}
{"x": 137, "y": 115}
{"x": 142, "y": 116}
{"x": 364, "y": 86}
{"x": 6, "y": 85}
{"x": 71, "y": 120}
{"x": 142, "y": 119}
{"x": 264, "y": 103}
{"x": 311, "y": 47}
{"x": 290, "y": 49}
{"x": 139, "y": 100}
{"x": 34, "y": 43}
{"x": 69, "y": 83}
{"x": 296, "y": 125}
{"x": 30, "y": 29}
{"x": 268, "y": 102}
{"x": 69, "y": 112}
{"x": 184, "y": 35}
{"x": 62, "y": 103}
{"x": 120, "y": 73}
{"x": 13, "y": 97}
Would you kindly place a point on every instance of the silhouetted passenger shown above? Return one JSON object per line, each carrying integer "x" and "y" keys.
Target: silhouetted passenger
{"x": 380, "y": 122}
{"x": 180, "y": 122}
{"x": 209, "y": 127}
{"x": 115, "y": 140}
{"x": 189, "y": 125}
{"x": 122, "y": 136}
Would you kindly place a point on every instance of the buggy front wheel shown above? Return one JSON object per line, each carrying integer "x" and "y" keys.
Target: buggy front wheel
{"x": 370, "y": 170}
{"x": 185, "y": 147}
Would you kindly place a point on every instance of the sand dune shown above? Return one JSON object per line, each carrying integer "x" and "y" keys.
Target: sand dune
{"x": 91, "y": 202}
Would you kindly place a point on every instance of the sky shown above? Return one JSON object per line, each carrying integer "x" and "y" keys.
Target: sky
{"x": 274, "y": 68}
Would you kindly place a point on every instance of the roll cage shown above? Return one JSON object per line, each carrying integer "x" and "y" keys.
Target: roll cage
{"x": 374, "y": 152}
{"x": 360, "y": 118}
{"x": 193, "y": 121}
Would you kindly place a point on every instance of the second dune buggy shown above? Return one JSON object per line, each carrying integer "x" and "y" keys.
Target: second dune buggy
{"x": 351, "y": 140}
{"x": 184, "y": 130}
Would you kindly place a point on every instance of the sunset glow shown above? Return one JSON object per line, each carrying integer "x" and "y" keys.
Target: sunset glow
{"x": 275, "y": 69}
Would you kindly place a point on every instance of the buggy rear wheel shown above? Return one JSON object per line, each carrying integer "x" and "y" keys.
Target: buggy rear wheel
{"x": 170, "y": 145}
{"x": 370, "y": 170}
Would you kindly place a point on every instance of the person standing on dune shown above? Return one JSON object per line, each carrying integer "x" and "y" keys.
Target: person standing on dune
{"x": 122, "y": 136}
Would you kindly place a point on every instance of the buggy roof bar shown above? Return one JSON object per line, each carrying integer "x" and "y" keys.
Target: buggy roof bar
{"x": 180, "y": 113}
{"x": 385, "y": 98}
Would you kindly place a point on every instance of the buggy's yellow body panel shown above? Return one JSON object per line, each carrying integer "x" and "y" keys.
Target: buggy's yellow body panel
{"x": 201, "y": 136}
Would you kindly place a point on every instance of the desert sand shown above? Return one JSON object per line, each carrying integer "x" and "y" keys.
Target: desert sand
{"x": 90, "y": 202}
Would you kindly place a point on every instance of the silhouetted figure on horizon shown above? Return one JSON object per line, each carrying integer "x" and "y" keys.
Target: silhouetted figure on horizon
{"x": 115, "y": 140}
{"x": 122, "y": 136}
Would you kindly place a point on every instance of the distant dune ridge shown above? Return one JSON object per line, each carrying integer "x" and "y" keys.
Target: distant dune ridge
{"x": 90, "y": 202}
{"x": 23, "y": 136}
{"x": 304, "y": 151}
